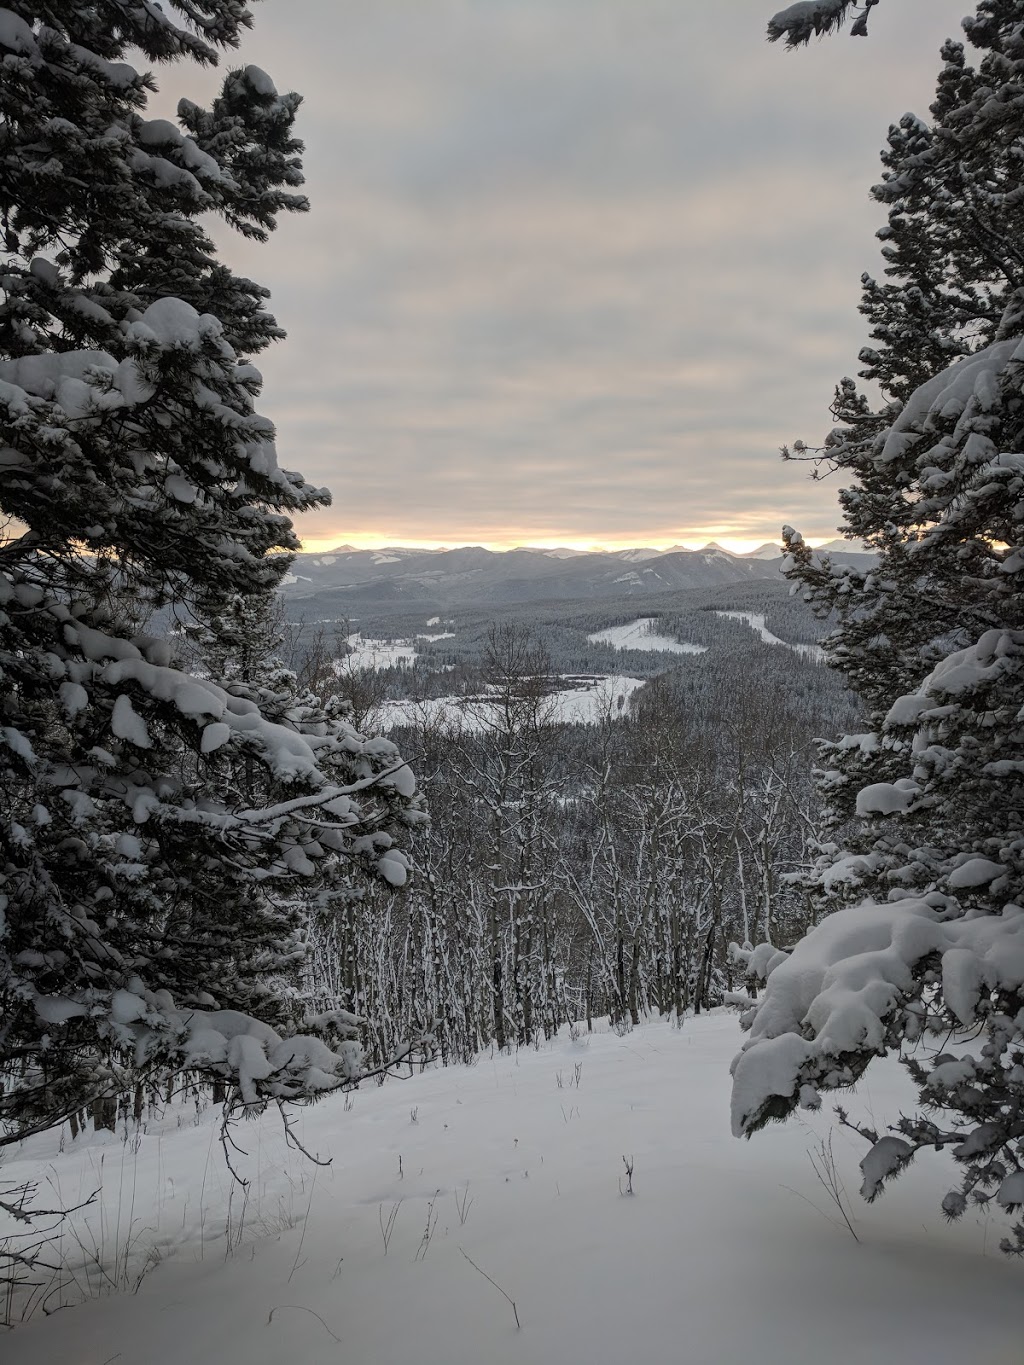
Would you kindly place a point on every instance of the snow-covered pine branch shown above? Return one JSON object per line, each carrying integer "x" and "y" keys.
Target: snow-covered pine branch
{"x": 797, "y": 24}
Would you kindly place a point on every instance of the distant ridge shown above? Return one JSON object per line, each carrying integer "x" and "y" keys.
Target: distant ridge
{"x": 347, "y": 581}
{"x": 842, "y": 547}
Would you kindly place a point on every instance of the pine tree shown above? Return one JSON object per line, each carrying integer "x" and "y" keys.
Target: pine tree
{"x": 930, "y": 797}
{"x": 807, "y": 19}
{"x": 155, "y": 827}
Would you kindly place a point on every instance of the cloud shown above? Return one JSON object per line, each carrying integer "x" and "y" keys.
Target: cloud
{"x": 575, "y": 268}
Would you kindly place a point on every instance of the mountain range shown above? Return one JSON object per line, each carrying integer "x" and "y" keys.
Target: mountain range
{"x": 346, "y": 578}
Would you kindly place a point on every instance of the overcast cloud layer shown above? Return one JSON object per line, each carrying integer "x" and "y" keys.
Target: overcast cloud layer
{"x": 575, "y": 268}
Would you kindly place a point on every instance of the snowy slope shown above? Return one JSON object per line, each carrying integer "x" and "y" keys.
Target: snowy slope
{"x": 640, "y": 634}
{"x": 728, "y": 1253}
{"x": 756, "y": 622}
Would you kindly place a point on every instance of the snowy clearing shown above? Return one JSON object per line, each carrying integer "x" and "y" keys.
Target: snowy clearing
{"x": 727, "y": 1252}
{"x": 586, "y": 703}
{"x": 366, "y": 655}
{"x": 640, "y": 634}
{"x": 757, "y": 622}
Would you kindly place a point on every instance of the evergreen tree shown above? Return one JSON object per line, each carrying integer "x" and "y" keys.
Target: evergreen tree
{"x": 154, "y": 825}
{"x": 799, "y": 23}
{"x": 930, "y": 798}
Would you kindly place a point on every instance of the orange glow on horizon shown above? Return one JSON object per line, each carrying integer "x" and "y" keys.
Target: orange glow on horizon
{"x": 375, "y": 540}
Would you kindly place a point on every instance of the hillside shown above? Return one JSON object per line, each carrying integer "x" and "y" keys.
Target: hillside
{"x": 726, "y": 1252}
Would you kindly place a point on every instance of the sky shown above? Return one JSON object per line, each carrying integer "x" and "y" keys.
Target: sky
{"x": 574, "y": 269}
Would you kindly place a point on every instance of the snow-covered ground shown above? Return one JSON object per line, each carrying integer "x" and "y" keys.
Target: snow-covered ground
{"x": 366, "y": 655}
{"x": 757, "y": 622}
{"x": 585, "y": 703}
{"x": 596, "y": 698}
{"x": 727, "y": 1253}
{"x": 640, "y": 634}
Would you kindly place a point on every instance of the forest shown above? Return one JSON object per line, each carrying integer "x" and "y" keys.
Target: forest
{"x": 614, "y": 863}
{"x": 546, "y": 866}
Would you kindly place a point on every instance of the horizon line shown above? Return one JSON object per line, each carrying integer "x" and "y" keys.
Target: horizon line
{"x": 731, "y": 544}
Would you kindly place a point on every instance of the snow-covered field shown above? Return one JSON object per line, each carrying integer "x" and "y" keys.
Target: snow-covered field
{"x": 757, "y": 622}
{"x": 586, "y": 703}
{"x": 727, "y": 1253}
{"x": 583, "y": 701}
{"x": 640, "y": 634}
{"x": 366, "y": 655}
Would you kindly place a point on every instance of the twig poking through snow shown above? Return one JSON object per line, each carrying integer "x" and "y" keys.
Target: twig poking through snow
{"x": 305, "y": 1225}
{"x": 293, "y": 1141}
{"x": 627, "y": 1161}
{"x": 303, "y": 1309}
{"x": 428, "y": 1231}
{"x": 497, "y": 1286}
{"x": 227, "y": 1141}
{"x": 387, "y": 1228}
{"x": 463, "y": 1206}
{"x": 824, "y": 1164}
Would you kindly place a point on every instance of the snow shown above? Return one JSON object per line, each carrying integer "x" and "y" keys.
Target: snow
{"x": 991, "y": 657}
{"x": 841, "y": 987}
{"x": 127, "y": 724}
{"x": 289, "y": 754}
{"x": 176, "y": 323}
{"x": 126, "y": 1007}
{"x": 1011, "y": 1191}
{"x": 887, "y": 798}
{"x": 976, "y": 872}
{"x": 946, "y": 396}
{"x": 394, "y": 867}
{"x": 590, "y": 703}
{"x": 260, "y": 81}
{"x": 18, "y": 743}
{"x": 638, "y": 555}
{"x": 367, "y": 655}
{"x": 640, "y": 634}
{"x": 54, "y": 1009}
{"x": 756, "y": 621}
{"x": 727, "y": 1252}
{"x": 180, "y": 489}
{"x": 884, "y": 1159}
{"x": 842, "y": 547}
{"x": 16, "y": 35}
{"x": 587, "y": 703}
